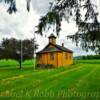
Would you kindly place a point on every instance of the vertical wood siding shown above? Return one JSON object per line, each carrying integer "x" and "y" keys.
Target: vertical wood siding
{"x": 59, "y": 59}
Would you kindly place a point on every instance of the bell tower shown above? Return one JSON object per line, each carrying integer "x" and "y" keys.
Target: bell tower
{"x": 52, "y": 39}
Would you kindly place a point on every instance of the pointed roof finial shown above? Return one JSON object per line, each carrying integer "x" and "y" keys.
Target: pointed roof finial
{"x": 52, "y": 36}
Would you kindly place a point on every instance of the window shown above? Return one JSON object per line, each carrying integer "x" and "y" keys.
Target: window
{"x": 66, "y": 56}
{"x": 70, "y": 57}
{"x": 52, "y": 56}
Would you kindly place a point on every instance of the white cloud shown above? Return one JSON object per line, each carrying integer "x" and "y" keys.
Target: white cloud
{"x": 40, "y": 6}
{"x": 22, "y": 24}
{"x": 19, "y": 25}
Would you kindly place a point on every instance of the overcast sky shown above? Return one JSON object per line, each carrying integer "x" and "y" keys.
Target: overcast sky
{"x": 22, "y": 25}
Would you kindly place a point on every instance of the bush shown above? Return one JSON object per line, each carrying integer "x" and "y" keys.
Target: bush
{"x": 43, "y": 66}
{"x": 49, "y": 66}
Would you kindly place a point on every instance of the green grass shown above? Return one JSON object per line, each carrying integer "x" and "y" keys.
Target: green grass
{"x": 80, "y": 81}
{"x": 13, "y": 63}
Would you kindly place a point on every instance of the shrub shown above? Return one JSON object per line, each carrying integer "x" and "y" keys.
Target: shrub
{"x": 47, "y": 66}
{"x": 91, "y": 57}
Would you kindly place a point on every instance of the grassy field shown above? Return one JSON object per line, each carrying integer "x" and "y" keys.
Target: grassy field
{"x": 80, "y": 81}
{"x": 13, "y": 63}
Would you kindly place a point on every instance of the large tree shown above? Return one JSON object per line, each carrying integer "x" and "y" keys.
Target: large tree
{"x": 17, "y": 50}
{"x": 88, "y": 34}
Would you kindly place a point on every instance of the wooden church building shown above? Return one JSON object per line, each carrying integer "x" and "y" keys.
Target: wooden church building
{"x": 55, "y": 54}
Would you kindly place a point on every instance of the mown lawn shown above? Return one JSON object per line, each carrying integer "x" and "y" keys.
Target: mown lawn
{"x": 13, "y": 63}
{"x": 80, "y": 81}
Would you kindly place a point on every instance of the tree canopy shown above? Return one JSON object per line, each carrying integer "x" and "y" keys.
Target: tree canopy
{"x": 13, "y": 49}
{"x": 88, "y": 34}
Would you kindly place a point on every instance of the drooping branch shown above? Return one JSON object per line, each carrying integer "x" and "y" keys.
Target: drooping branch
{"x": 50, "y": 19}
{"x": 67, "y": 9}
{"x": 12, "y": 5}
{"x": 88, "y": 34}
{"x": 28, "y": 5}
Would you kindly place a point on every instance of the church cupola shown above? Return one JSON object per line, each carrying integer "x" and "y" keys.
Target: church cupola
{"x": 52, "y": 39}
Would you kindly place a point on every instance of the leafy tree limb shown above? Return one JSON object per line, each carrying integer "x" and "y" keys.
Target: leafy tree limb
{"x": 88, "y": 33}
{"x": 11, "y": 49}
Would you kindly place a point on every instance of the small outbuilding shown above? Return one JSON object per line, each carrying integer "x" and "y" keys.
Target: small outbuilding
{"x": 54, "y": 54}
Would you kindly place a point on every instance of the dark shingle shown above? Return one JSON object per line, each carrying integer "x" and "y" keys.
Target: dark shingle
{"x": 56, "y": 48}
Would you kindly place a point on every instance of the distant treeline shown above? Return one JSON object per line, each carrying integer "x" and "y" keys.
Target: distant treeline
{"x": 88, "y": 57}
{"x": 91, "y": 57}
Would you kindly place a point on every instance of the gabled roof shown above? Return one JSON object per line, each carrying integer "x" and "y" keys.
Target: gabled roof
{"x": 56, "y": 48}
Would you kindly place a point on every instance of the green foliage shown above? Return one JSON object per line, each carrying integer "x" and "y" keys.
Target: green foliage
{"x": 88, "y": 33}
{"x": 49, "y": 66}
{"x": 52, "y": 18}
{"x": 80, "y": 81}
{"x": 17, "y": 49}
{"x": 70, "y": 9}
{"x": 90, "y": 40}
{"x": 88, "y": 57}
{"x": 12, "y": 5}
{"x": 43, "y": 66}
{"x": 91, "y": 57}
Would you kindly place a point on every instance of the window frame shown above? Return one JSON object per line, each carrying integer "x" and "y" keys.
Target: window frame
{"x": 66, "y": 55}
{"x": 51, "y": 56}
{"x": 70, "y": 57}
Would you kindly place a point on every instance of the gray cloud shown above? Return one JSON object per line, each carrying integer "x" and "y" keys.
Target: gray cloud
{"x": 17, "y": 25}
{"x": 22, "y": 24}
{"x": 41, "y": 6}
